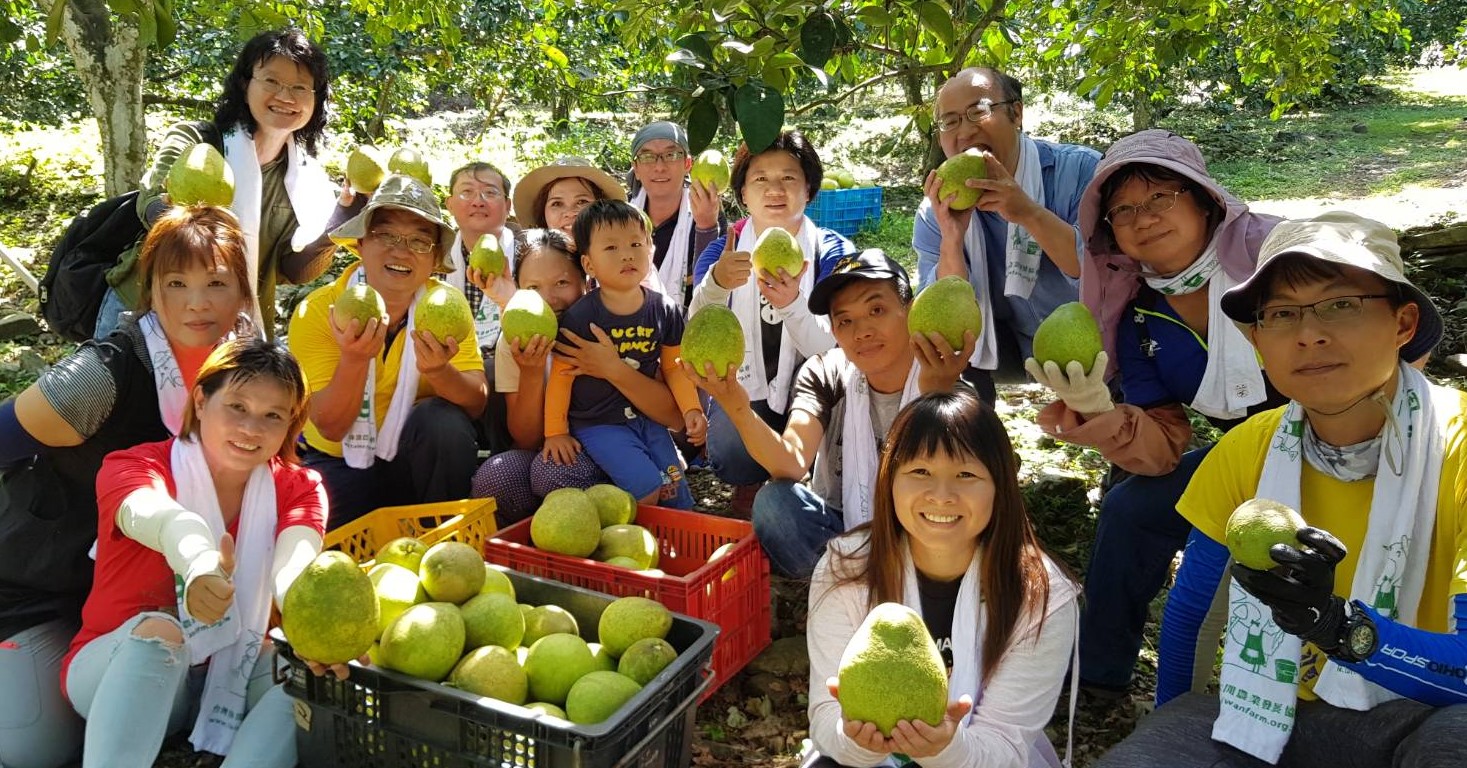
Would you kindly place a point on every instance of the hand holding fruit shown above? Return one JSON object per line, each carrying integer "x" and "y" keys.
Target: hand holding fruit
{"x": 782, "y": 289}
{"x": 938, "y": 364}
{"x": 733, "y": 267}
{"x": 725, "y": 390}
{"x": 497, "y": 288}
{"x": 950, "y": 223}
{"x": 358, "y": 340}
{"x": 1302, "y": 596}
{"x": 433, "y": 356}
{"x": 530, "y": 357}
{"x": 1084, "y": 393}
{"x": 703, "y": 204}
{"x": 915, "y": 738}
{"x": 1003, "y": 195}
{"x": 208, "y": 595}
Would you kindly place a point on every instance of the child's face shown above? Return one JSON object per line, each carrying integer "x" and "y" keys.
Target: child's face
{"x": 943, "y": 501}
{"x": 553, "y": 276}
{"x": 619, "y": 255}
{"x": 869, "y": 322}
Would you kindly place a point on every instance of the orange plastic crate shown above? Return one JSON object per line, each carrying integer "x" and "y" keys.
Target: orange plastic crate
{"x": 732, "y": 592}
{"x": 470, "y": 521}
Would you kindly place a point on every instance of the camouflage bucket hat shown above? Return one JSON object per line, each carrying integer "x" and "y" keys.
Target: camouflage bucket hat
{"x": 403, "y": 193}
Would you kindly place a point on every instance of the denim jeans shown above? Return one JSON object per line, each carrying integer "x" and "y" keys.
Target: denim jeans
{"x": 107, "y": 316}
{"x": 793, "y": 525}
{"x": 1138, "y": 536}
{"x": 38, "y": 728}
{"x": 118, "y": 682}
{"x": 727, "y": 456}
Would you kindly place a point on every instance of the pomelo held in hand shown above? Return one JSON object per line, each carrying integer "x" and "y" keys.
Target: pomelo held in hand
{"x": 711, "y": 168}
{"x": 1258, "y": 524}
{"x": 948, "y": 307}
{"x": 488, "y": 256}
{"x": 365, "y": 168}
{"x": 409, "y": 162}
{"x": 527, "y": 316}
{"x": 713, "y": 335}
{"x": 1069, "y": 333}
{"x": 954, "y": 174}
{"x": 361, "y": 303}
{"x": 444, "y": 312}
{"x": 777, "y": 249}
{"x": 891, "y": 671}
{"x": 330, "y": 611}
{"x": 201, "y": 175}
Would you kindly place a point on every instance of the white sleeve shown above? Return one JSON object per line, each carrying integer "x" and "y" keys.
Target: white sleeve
{"x": 811, "y": 332}
{"x": 835, "y": 613}
{"x": 295, "y": 548}
{"x": 707, "y": 292}
{"x": 158, "y": 522}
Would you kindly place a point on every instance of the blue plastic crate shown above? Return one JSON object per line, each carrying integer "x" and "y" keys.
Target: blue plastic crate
{"x": 846, "y": 211}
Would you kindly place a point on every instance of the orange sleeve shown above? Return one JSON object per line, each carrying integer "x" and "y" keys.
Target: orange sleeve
{"x": 557, "y": 397}
{"x": 684, "y": 391}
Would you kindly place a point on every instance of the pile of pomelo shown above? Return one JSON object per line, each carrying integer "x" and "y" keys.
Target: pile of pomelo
{"x": 597, "y": 523}
{"x": 443, "y": 615}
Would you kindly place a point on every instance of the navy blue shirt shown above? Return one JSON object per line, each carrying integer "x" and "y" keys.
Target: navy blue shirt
{"x": 639, "y": 339}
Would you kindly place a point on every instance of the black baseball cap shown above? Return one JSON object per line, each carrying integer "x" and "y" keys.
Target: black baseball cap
{"x": 870, "y": 264}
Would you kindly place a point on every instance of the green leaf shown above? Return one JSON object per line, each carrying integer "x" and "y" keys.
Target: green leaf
{"x": 124, "y": 6}
{"x": 684, "y": 57}
{"x": 702, "y": 124}
{"x": 783, "y": 60}
{"x": 762, "y": 47}
{"x": 555, "y": 55}
{"x": 997, "y": 43}
{"x": 53, "y": 21}
{"x": 938, "y": 20}
{"x": 737, "y": 46}
{"x": 696, "y": 43}
{"x": 817, "y": 39}
{"x": 167, "y": 24}
{"x": 759, "y": 111}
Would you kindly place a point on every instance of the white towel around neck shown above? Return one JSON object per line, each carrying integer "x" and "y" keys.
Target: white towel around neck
{"x": 1257, "y": 655}
{"x": 311, "y": 194}
{"x": 674, "y": 269}
{"x": 364, "y": 443}
{"x": 1022, "y": 256}
{"x": 172, "y": 395}
{"x": 859, "y": 456}
{"x": 232, "y": 644}
{"x": 744, "y": 301}
{"x": 1233, "y": 379}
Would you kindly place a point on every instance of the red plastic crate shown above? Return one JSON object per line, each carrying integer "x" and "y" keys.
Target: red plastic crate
{"x": 732, "y": 592}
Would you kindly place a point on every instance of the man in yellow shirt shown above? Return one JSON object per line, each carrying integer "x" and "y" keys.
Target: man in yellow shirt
{"x": 1353, "y": 649}
{"x": 391, "y": 407}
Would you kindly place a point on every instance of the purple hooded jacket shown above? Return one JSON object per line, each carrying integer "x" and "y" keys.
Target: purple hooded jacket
{"x": 1109, "y": 279}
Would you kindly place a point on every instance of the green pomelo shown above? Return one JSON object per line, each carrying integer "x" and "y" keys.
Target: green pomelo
{"x": 547, "y": 708}
{"x": 491, "y": 671}
{"x": 488, "y": 256}
{"x": 492, "y": 619}
{"x": 398, "y": 589}
{"x": 628, "y": 563}
{"x": 711, "y": 168}
{"x": 426, "y": 641}
{"x": 374, "y": 654}
{"x": 555, "y": 663}
{"x": 365, "y": 168}
{"x": 527, "y": 316}
{"x": 645, "y": 658}
{"x": 713, "y": 336}
{"x": 1069, "y": 333}
{"x": 948, "y": 307}
{"x": 954, "y": 174}
{"x": 452, "y": 571}
{"x": 846, "y": 178}
{"x": 598, "y": 695}
{"x": 829, "y": 183}
{"x": 496, "y": 581}
{"x": 891, "y": 671}
{"x": 444, "y": 312}
{"x": 1258, "y": 524}
{"x": 566, "y": 523}
{"x": 614, "y": 505}
{"x": 604, "y": 660}
{"x": 330, "y": 610}
{"x": 631, "y": 541}
{"x": 545, "y": 620}
{"x": 629, "y": 619}
{"x": 201, "y": 175}
{"x": 722, "y": 552}
{"x": 361, "y": 303}
{"x": 405, "y": 551}
{"x": 776, "y": 249}
{"x": 408, "y": 161}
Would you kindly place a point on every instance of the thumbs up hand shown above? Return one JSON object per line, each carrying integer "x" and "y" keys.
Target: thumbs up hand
{"x": 209, "y": 595}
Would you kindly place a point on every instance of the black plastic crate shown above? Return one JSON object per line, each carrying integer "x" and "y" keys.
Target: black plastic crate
{"x": 377, "y": 718}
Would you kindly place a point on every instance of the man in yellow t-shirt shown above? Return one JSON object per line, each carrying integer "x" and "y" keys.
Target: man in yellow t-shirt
{"x": 382, "y": 432}
{"x": 1353, "y": 649}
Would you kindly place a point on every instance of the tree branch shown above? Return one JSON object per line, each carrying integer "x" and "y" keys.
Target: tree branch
{"x": 867, "y": 83}
{"x": 204, "y": 105}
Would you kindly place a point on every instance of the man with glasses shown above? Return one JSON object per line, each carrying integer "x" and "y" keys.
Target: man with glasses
{"x": 686, "y": 217}
{"x": 1019, "y": 246}
{"x": 391, "y": 407}
{"x": 1352, "y": 649}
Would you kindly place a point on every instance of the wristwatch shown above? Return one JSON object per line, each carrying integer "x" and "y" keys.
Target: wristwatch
{"x": 1359, "y": 637}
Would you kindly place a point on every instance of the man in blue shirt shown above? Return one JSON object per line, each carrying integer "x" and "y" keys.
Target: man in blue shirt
{"x": 1019, "y": 245}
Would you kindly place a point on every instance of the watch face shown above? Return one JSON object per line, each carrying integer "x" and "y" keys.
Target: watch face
{"x": 1361, "y": 640}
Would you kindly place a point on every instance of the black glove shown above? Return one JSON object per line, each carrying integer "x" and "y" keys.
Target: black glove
{"x": 1302, "y": 598}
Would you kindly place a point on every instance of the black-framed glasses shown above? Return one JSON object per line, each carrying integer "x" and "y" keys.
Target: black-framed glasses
{"x": 651, "y": 158}
{"x": 975, "y": 114}
{"x": 414, "y": 243}
{"x": 488, "y": 194}
{"x": 273, "y": 86}
{"x": 1125, "y": 215}
{"x": 1334, "y": 310}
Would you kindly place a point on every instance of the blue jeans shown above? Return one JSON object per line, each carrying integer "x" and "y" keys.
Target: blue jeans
{"x": 119, "y": 683}
{"x": 727, "y": 456}
{"x": 793, "y": 525}
{"x": 38, "y": 728}
{"x": 1138, "y": 536}
{"x": 107, "y": 316}
{"x": 640, "y": 458}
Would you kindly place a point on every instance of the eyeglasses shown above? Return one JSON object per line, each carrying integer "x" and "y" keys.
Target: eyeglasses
{"x": 652, "y": 158}
{"x": 975, "y": 114}
{"x": 1337, "y": 309}
{"x": 1125, "y": 215}
{"x": 415, "y": 243}
{"x": 273, "y": 86}
{"x": 488, "y": 195}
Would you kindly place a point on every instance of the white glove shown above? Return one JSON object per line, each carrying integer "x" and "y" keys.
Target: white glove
{"x": 1083, "y": 393}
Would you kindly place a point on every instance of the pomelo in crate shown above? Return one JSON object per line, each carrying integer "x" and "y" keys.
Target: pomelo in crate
{"x": 630, "y": 619}
{"x": 630, "y": 541}
{"x": 645, "y": 658}
{"x": 891, "y": 670}
{"x": 426, "y": 641}
{"x": 555, "y": 663}
{"x": 713, "y": 337}
{"x": 614, "y": 505}
{"x": 597, "y": 696}
{"x": 405, "y": 551}
{"x": 1258, "y": 524}
{"x": 330, "y": 611}
{"x": 492, "y": 619}
{"x": 947, "y": 307}
{"x": 452, "y": 571}
{"x": 567, "y": 522}
{"x": 1068, "y": 334}
{"x": 491, "y": 671}
{"x": 544, "y": 620}
{"x": 397, "y": 588}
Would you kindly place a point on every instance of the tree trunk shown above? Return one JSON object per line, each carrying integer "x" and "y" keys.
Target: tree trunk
{"x": 1142, "y": 114}
{"x": 110, "y": 57}
{"x": 377, "y": 127}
